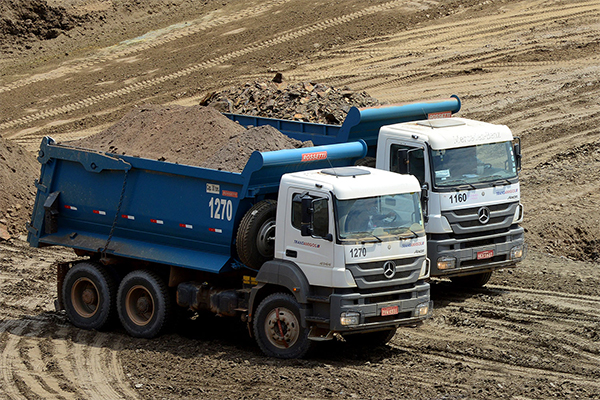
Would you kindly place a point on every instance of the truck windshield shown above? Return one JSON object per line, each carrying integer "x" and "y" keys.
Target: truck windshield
{"x": 380, "y": 218}
{"x": 474, "y": 164}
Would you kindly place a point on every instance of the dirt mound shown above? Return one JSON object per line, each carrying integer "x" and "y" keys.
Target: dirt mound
{"x": 18, "y": 170}
{"x": 303, "y": 101}
{"x": 564, "y": 188}
{"x": 234, "y": 155}
{"x": 24, "y": 20}
{"x": 197, "y": 135}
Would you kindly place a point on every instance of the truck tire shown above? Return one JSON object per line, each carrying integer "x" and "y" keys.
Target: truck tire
{"x": 472, "y": 281}
{"x": 278, "y": 327}
{"x": 144, "y": 304}
{"x": 366, "y": 162}
{"x": 88, "y": 294}
{"x": 255, "y": 239}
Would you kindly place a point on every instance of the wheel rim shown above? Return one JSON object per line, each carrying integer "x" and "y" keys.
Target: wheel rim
{"x": 85, "y": 297}
{"x": 265, "y": 240}
{"x": 139, "y": 305}
{"x": 282, "y": 328}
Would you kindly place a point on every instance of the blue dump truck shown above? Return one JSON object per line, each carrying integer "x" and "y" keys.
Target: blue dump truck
{"x": 302, "y": 245}
{"x": 468, "y": 171}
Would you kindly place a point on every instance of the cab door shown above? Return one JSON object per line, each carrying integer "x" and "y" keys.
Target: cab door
{"x": 312, "y": 253}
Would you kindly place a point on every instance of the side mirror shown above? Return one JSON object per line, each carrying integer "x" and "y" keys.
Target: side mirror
{"x": 315, "y": 218}
{"x": 425, "y": 192}
{"x": 403, "y": 164}
{"x": 307, "y": 216}
{"x": 517, "y": 151}
{"x": 425, "y": 201}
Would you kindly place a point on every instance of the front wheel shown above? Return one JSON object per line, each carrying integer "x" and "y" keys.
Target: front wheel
{"x": 277, "y": 327}
{"x": 472, "y": 281}
{"x": 144, "y": 304}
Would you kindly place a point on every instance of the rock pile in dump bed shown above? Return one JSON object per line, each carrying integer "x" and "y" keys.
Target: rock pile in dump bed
{"x": 198, "y": 135}
{"x": 304, "y": 101}
{"x": 18, "y": 170}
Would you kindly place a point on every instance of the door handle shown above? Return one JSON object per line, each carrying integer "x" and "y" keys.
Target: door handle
{"x": 291, "y": 253}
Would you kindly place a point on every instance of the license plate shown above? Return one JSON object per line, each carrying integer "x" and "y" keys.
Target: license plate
{"x": 482, "y": 255}
{"x": 389, "y": 311}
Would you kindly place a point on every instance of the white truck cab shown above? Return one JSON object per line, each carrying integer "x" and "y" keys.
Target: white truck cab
{"x": 351, "y": 246}
{"x": 370, "y": 216}
{"x": 469, "y": 170}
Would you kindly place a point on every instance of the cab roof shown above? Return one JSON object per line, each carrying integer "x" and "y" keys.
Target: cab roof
{"x": 447, "y": 133}
{"x": 357, "y": 182}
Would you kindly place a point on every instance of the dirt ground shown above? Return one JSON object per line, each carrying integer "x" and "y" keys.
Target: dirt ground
{"x": 73, "y": 68}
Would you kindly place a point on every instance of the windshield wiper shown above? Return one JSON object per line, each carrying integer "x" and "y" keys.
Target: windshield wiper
{"x": 500, "y": 178}
{"x": 377, "y": 240}
{"x": 462, "y": 182}
{"x": 495, "y": 178}
{"x": 414, "y": 235}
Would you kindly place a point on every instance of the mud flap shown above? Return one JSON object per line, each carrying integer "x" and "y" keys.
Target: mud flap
{"x": 61, "y": 271}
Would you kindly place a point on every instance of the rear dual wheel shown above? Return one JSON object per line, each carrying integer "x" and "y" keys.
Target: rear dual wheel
{"x": 144, "y": 304}
{"x": 88, "y": 294}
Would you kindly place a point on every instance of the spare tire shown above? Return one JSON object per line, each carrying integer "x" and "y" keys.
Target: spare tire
{"x": 255, "y": 239}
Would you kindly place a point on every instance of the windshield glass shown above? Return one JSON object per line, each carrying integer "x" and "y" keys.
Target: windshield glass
{"x": 380, "y": 218}
{"x": 474, "y": 164}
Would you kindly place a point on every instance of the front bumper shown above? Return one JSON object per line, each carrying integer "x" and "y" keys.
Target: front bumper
{"x": 369, "y": 307}
{"x": 465, "y": 251}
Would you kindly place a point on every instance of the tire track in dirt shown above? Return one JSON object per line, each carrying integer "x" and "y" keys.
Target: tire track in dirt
{"x": 495, "y": 368}
{"x": 91, "y": 364}
{"x": 145, "y": 42}
{"x": 436, "y": 39}
{"x": 527, "y": 321}
{"x": 25, "y": 369}
{"x": 251, "y": 48}
{"x": 30, "y": 370}
{"x": 38, "y": 357}
{"x": 371, "y": 62}
{"x": 12, "y": 330}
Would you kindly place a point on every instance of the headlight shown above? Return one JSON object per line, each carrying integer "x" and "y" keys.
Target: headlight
{"x": 350, "y": 318}
{"x": 446, "y": 262}
{"x": 422, "y": 310}
{"x": 518, "y": 214}
{"x": 516, "y": 252}
{"x": 424, "y": 269}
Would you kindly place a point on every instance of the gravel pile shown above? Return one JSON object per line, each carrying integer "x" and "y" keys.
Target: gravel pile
{"x": 304, "y": 101}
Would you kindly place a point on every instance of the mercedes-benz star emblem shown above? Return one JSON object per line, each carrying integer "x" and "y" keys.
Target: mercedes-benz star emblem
{"x": 484, "y": 215}
{"x": 389, "y": 269}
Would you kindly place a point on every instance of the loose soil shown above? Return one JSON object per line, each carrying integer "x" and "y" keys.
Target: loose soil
{"x": 197, "y": 135}
{"x": 80, "y": 66}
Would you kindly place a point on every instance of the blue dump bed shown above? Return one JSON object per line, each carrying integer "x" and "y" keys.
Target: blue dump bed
{"x": 360, "y": 124}
{"x": 157, "y": 211}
